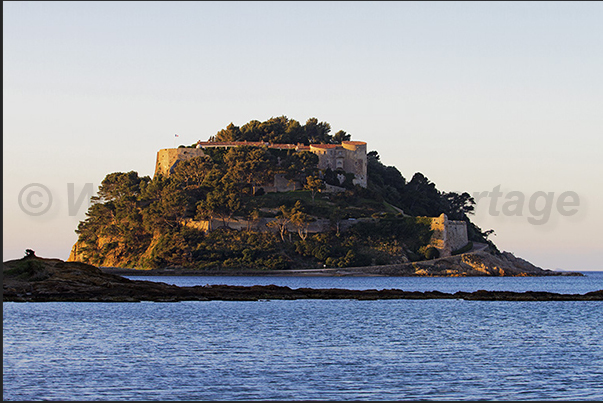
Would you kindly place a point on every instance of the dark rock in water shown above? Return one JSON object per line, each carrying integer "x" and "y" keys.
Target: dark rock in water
{"x": 37, "y": 280}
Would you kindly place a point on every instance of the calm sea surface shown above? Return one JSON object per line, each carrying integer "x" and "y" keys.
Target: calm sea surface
{"x": 312, "y": 349}
{"x": 592, "y": 281}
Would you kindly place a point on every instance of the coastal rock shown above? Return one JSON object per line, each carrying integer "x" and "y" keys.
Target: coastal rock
{"x": 39, "y": 280}
{"x": 477, "y": 263}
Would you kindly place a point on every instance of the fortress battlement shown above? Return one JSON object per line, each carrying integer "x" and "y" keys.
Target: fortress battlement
{"x": 448, "y": 235}
{"x": 349, "y": 155}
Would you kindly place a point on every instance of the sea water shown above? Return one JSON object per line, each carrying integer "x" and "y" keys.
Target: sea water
{"x": 592, "y": 281}
{"x": 312, "y": 349}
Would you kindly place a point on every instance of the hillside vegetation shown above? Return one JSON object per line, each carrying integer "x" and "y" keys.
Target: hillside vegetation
{"x": 140, "y": 222}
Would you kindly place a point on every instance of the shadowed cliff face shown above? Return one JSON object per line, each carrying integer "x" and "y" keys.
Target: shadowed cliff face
{"x": 37, "y": 280}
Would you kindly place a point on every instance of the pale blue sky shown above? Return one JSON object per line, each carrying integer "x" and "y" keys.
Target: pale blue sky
{"x": 473, "y": 95}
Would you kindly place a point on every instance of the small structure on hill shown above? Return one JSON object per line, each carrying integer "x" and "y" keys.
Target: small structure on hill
{"x": 448, "y": 235}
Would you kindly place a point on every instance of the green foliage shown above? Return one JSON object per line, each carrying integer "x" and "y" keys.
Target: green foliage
{"x": 171, "y": 250}
{"x": 249, "y": 165}
{"x": 282, "y": 130}
{"x": 429, "y": 252}
{"x": 314, "y": 184}
{"x": 239, "y": 249}
{"x": 120, "y": 186}
{"x": 28, "y": 269}
{"x": 419, "y": 197}
{"x": 459, "y": 205}
{"x": 297, "y": 165}
{"x": 413, "y": 232}
{"x": 366, "y": 242}
{"x": 135, "y": 214}
{"x": 341, "y": 136}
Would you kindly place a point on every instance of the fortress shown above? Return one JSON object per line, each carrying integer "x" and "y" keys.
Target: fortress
{"x": 349, "y": 156}
{"x": 448, "y": 235}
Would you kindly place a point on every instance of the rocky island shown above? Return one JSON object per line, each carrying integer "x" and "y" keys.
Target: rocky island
{"x": 280, "y": 197}
{"x": 268, "y": 198}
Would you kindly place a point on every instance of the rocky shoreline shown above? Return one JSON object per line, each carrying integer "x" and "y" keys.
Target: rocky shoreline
{"x": 478, "y": 263}
{"x": 34, "y": 279}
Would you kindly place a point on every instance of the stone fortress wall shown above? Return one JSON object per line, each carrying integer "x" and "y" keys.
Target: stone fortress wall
{"x": 263, "y": 224}
{"x": 167, "y": 158}
{"x": 448, "y": 235}
{"x": 349, "y": 156}
{"x": 239, "y": 223}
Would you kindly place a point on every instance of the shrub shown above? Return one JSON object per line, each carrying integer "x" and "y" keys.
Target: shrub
{"x": 321, "y": 252}
{"x": 331, "y": 262}
{"x": 28, "y": 269}
{"x": 431, "y": 253}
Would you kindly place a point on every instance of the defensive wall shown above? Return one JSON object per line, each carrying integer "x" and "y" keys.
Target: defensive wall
{"x": 282, "y": 184}
{"x": 167, "y": 158}
{"x": 349, "y": 156}
{"x": 262, "y": 224}
{"x": 448, "y": 235}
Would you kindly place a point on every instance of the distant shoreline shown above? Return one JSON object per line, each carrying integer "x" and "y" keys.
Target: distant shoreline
{"x": 327, "y": 272}
{"x": 366, "y": 271}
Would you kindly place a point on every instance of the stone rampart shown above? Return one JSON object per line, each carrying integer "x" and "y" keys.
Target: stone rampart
{"x": 456, "y": 234}
{"x": 282, "y": 184}
{"x": 355, "y": 161}
{"x": 448, "y": 235}
{"x": 239, "y": 223}
{"x": 167, "y": 158}
{"x": 349, "y": 156}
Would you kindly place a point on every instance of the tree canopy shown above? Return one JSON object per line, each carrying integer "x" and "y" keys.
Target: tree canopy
{"x": 282, "y": 130}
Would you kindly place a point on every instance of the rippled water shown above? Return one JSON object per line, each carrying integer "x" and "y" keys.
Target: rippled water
{"x": 304, "y": 350}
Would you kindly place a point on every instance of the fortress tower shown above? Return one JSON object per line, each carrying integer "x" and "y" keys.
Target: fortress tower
{"x": 167, "y": 158}
{"x": 448, "y": 235}
{"x": 349, "y": 156}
